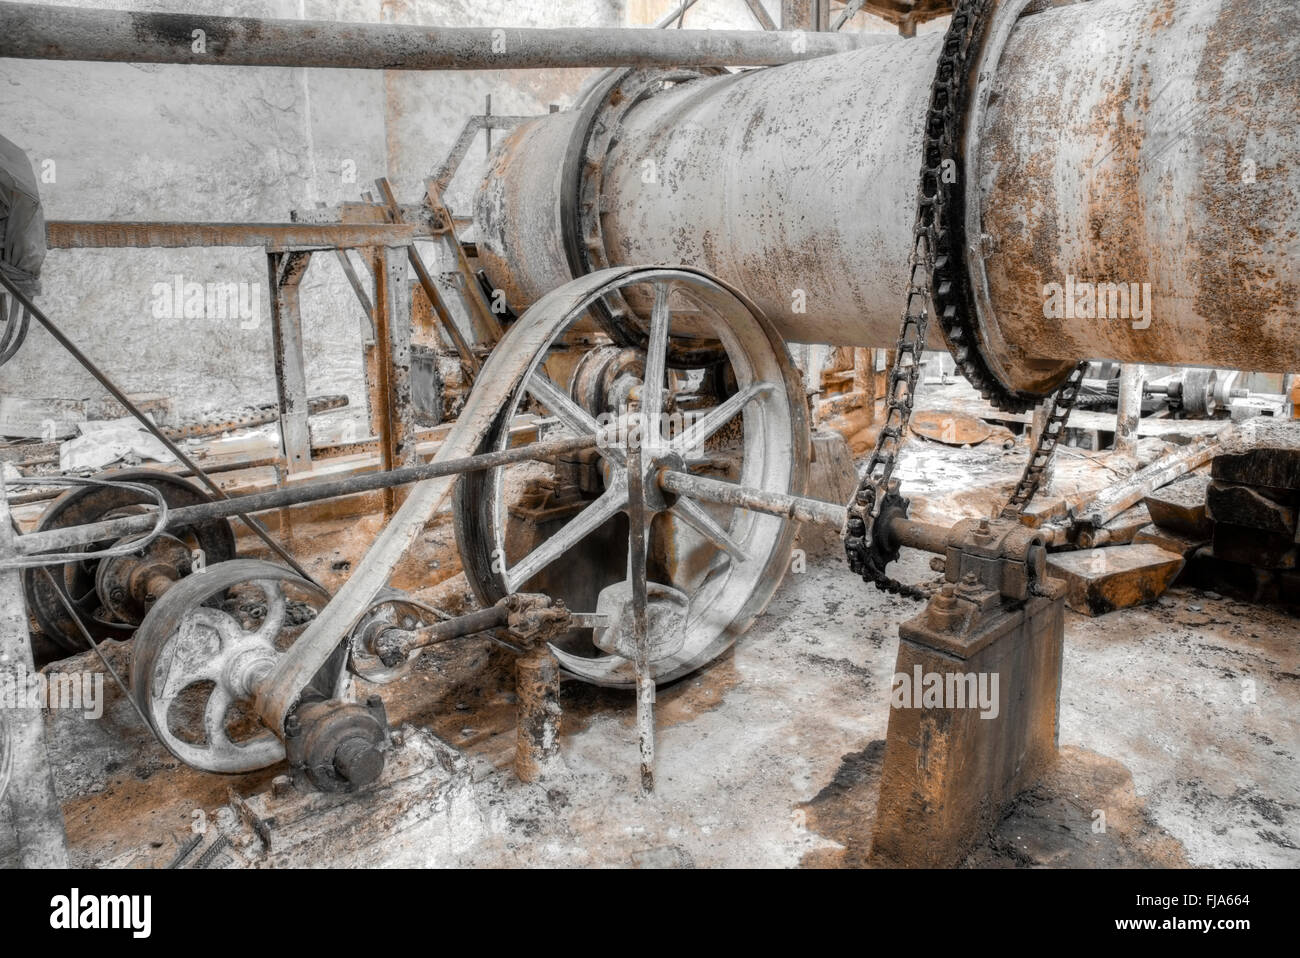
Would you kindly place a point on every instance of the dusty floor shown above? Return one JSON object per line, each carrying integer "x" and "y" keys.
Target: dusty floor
{"x": 770, "y": 757}
{"x": 1180, "y": 726}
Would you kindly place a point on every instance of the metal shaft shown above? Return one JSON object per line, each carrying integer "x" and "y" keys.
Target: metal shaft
{"x": 925, "y": 536}
{"x": 35, "y": 31}
{"x": 638, "y": 518}
{"x": 55, "y": 540}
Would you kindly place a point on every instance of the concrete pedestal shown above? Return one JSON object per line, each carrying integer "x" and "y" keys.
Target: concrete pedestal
{"x": 961, "y": 746}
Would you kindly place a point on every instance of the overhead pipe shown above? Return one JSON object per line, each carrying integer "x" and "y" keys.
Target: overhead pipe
{"x": 37, "y": 32}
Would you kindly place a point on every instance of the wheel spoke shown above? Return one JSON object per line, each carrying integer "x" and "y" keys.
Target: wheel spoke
{"x": 214, "y": 719}
{"x": 656, "y": 366}
{"x": 555, "y": 399}
{"x": 717, "y": 417}
{"x": 276, "y": 605}
{"x": 190, "y": 658}
{"x": 610, "y": 503}
{"x": 694, "y": 515}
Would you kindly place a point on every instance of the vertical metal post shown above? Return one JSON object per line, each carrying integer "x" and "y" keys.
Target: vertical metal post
{"x": 864, "y": 380}
{"x": 537, "y": 688}
{"x": 1130, "y": 408}
{"x": 33, "y": 802}
{"x": 392, "y": 392}
{"x": 636, "y": 571}
{"x": 285, "y": 272}
{"x": 805, "y": 14}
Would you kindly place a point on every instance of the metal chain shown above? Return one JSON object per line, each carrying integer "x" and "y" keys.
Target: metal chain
{"x": 1059, "y": 408}
{"x": 932, "y": 274}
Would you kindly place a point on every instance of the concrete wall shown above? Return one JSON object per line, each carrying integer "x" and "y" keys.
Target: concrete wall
{"x": 168, "y": 142}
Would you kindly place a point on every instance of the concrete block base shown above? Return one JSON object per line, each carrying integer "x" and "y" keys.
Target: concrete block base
{"x": 952, "y": 765}
{"x": 1119, "y": 577}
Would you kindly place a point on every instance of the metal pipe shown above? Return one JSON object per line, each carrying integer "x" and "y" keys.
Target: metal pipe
{"x": 38, "y": 32}
{"x": 1147, "y": 144}
{"x": 55, "y": 540}
{"x": 393, "y": 645}
{"x": 780, "y": 504}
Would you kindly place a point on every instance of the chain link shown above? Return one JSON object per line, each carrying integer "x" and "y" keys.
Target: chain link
{"x": 932, "y": 275}
{"x": 1059, "y": 408}
{"x": 936, "y": 279}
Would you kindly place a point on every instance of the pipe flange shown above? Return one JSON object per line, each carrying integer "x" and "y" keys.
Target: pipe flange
{"x": 600, "y": 119}
{"x": 971, "y": 330}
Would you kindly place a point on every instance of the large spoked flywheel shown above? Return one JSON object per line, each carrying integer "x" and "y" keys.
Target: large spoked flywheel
{"x": 562, "y": 528}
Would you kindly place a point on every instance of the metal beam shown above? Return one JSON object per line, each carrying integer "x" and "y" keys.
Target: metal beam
{"x": 285, "y": 272}
{"x": 38, "y": 32}
{"x": 74, "y": 234}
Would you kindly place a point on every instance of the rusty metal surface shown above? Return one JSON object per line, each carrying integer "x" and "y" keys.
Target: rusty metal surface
{"x": 74, "y": 234}
{"x": 284, "y": 274}
{"x": 1150, "y": 142}
{"x": 1114, "y": 149}
{"x": 34, "y": 31}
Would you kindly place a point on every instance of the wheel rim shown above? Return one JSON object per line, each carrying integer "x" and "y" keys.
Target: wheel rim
{"x": 729, "y": 563}
{"x": 196, "y": 650}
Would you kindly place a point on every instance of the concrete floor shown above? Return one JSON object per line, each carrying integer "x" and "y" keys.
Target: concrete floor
{"x": 770, "y": 757}
{"x": 1179, "y": 731}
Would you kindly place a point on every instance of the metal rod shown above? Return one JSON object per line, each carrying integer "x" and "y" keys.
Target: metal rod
{"x": 756, "y": 500}
{"x": 134, "y": 410}
{"x": 636, "y": 573}
{"x": 38, "y": 32}
{"x": 463, "y": 347}
{"x": 394, "y": 645}
{"x": 105, "y": 234}
{"x": 309, "y": 491}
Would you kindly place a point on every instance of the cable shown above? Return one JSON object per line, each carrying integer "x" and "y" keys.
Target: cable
{"x": 126, "y": 546}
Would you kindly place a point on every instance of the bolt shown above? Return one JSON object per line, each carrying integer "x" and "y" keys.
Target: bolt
{"x": 281, "y": 786}
{"x": 116, "y": 594}
{"x": 358, "y": 761}
{"x": 292, "y": 726}
{"x": 374, "y": 702}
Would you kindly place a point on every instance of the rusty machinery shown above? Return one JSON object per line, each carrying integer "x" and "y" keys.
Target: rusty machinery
{"x": 1114, "y": 141}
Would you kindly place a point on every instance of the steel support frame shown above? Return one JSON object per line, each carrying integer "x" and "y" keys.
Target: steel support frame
{"x": 284, "y": 274}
